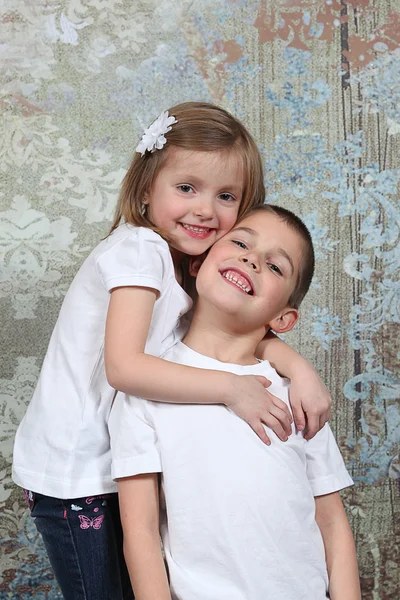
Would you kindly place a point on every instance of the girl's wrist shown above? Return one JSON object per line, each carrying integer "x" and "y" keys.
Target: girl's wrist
{"x": 228, "y": 386}
{"x": 296, "y": 368}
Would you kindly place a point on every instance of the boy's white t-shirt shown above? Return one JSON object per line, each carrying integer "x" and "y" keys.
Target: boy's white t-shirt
{"x": 62, "y": 445}
{"x": 238, "y": 517}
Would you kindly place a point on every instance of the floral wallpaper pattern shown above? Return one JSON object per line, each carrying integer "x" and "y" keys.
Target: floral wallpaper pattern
{"x": 318, "y": 84}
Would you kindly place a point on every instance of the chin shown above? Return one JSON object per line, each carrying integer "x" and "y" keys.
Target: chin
{"x": 228, "y": 309}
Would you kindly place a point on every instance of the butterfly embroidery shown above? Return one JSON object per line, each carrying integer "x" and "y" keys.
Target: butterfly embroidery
{"x": 87, "y": 522}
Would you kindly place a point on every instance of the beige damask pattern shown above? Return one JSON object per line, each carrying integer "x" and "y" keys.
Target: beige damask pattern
{"x": 318, "y": 84}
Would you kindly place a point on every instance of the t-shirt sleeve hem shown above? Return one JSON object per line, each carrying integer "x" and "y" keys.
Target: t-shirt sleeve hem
{"x": 135, "y": 257}
{"x": 133, "y": 281}
{"x": 331, "y": 483}
{"x": 136, "y": 465}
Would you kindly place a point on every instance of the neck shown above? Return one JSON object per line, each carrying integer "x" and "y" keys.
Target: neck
{"x": 217, "y": 338}
{"x": 177, "y": 259}
{"x": 177, "y": 256}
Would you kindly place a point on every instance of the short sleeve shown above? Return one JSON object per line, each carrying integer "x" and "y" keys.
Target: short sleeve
{"x": 134, "y": 446}
{"x": 135, "y": 259}
{"x": 326, "y": 470}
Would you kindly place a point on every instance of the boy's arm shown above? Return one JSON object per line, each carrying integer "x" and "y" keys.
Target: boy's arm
{"x": 341, "y": 558}
{"x": 309, "y": 397}
{"x": 139, "y": 506}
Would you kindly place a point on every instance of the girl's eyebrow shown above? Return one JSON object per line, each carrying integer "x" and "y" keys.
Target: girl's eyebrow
{"x": 185, "y": 176}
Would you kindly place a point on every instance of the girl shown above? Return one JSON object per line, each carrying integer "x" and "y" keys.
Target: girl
{"x": 124, "y": 308}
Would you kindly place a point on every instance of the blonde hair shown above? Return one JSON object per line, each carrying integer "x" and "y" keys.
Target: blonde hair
{"x": 203, "y": 127}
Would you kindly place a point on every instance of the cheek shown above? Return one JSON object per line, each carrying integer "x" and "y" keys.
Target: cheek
{"x": 163, "y": 208}
{"x": 201, "y": 280}
{"x": 227, "y": 220}
{"x": 272, "y": 290}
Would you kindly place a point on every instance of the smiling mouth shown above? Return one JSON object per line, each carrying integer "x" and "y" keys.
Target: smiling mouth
{"x": 195, "y": 231}
{"x": 238, "y": 280}
{"x": 195, "y": 228}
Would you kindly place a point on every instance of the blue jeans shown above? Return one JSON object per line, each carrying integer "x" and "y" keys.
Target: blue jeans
{"x": 83, "y": 539}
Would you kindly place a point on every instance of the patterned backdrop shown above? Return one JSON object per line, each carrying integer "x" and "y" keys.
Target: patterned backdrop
{"x": 318, "y": 84}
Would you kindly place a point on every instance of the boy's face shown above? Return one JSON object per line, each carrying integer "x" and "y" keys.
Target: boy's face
{"x": 251, "y": 272}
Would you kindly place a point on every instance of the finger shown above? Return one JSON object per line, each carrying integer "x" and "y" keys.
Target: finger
{"x": 312, "y": 426}
{"x": 282, "y": 416}
{"x": 265, "y": 382}
{"x": 299, "y": 417}
{"x": 276, "y": 426}
{"x": 281, "y": 405}
{"x": 325, "y": 415}
{"x": 262, "y": 434}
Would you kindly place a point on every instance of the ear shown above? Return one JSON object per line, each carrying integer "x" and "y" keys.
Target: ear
{"x": 195, "y": 263}
{"x": 285, "y": 321}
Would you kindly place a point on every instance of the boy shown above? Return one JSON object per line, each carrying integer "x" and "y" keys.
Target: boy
{"x": 239, "y": 520}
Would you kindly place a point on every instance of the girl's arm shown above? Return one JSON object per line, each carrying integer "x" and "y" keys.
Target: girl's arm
{"x": 139, "y": 507}
{"x": 341, "y": 558}
{"x": 132, "y": 371}
{"x": 309, "y": 397}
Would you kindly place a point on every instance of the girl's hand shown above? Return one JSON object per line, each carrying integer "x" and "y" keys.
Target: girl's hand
{"x": 310, "y": 400}
{"x": 254, "y": 404}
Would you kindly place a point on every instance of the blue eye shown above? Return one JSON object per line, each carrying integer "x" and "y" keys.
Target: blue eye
{"x": 186, "y": 188}
{"x": 240, "y": 244}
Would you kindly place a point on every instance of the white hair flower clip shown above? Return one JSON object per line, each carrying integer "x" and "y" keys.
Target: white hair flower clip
{"x": 153, "y": 137}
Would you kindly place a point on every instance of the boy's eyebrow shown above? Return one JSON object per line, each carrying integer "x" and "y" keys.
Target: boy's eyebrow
{"x": 246, "y": 230}
{"x": 280, "y": 251}
{"x": 283, "y": 253}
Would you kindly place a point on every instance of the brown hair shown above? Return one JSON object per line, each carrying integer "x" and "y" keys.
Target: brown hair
{"x": 201, "y": 126}
{"x": 307, "y": 262}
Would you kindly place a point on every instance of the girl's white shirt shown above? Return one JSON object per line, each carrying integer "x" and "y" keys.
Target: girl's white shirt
{"x": 62, "y": 445}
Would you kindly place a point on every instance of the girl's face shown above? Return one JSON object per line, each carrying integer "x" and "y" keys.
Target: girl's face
{"x": 195, "y": 199}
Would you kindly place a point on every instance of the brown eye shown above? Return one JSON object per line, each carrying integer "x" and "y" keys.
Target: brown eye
{"x": 275, "y": 268}
{"x": 227, "y": 197}
{"x": 185, "y": 188}
{"x": 240, "y": 244}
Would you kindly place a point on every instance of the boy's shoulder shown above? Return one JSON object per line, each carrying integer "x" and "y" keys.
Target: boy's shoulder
{"x": 183, "y": 354}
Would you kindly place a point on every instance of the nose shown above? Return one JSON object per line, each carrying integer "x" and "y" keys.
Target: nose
{"x": 204, "y": 208}
{"x": 251, "y": 262}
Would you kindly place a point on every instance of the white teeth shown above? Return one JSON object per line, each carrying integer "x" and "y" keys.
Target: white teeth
{"x": 196, "y": 229}
{"x": 234, "y": 279}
